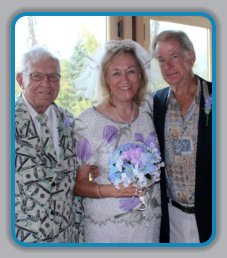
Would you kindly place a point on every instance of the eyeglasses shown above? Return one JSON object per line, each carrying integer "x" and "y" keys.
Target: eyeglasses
{"x": 52, "y": 77}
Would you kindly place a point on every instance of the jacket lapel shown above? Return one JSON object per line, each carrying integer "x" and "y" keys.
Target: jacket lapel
{"x": 160, "y": 108}
{"x": 204, "y": 145}
{"x": 66, "y": 142}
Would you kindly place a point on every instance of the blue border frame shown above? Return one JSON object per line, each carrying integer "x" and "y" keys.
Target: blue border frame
{"x": 13, "y": 128}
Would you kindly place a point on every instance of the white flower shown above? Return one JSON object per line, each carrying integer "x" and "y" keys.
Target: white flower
{"x": 126, "y": 181}
{"x": 142, "y": 180}
{"x": 156, "y": 176}
{"x": 119, "y": 164}
{"x": 135, "y": 170}
{"x": 116, "y": 183}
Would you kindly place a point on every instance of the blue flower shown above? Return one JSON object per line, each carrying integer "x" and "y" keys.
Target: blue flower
{"x": 130, "y": 160}
{"x": 136, "y": 164}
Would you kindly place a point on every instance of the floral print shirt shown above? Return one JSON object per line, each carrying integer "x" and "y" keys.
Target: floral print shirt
{"x": 180, "y": 149}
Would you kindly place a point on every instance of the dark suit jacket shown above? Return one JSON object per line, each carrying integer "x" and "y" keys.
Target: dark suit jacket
{"x": 203, "y": 185}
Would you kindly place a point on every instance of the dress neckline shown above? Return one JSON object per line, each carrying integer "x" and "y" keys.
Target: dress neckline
{"x": 120, "y": 123}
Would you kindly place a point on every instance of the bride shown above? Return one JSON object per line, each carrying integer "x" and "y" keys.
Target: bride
{"x": 114, "y": 215}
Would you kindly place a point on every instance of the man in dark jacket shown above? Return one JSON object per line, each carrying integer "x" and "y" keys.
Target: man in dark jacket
{"x": 183, "y": 121}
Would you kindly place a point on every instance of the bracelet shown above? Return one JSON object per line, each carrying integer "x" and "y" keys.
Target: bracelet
{"x": 99, "y": 193}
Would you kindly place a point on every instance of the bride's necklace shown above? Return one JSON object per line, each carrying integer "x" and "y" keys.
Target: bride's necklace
{"x": 129, "y": 123}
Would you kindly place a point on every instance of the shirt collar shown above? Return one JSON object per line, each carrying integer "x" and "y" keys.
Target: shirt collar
{"x": 32, "y": 111}
{"x": 171, "y": 95}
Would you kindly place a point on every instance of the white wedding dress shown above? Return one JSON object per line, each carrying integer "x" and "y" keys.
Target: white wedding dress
{"x": 103, "y": 220}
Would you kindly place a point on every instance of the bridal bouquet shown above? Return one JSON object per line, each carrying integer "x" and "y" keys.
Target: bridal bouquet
{"x": 138, "y": 164}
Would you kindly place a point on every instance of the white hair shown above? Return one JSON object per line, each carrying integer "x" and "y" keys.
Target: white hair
{"x": 180, "y": 36}
{"x": 36, "y": 54}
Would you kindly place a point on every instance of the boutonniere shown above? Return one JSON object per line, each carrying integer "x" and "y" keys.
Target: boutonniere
{"x": 66, "y": 132}
{"x": 66, "y": 122}
{"x": 208, "y": 101}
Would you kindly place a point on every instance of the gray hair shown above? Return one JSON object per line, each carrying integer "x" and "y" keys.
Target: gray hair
{"x": 180, "y": 36}
{"x": 36, "y": 54}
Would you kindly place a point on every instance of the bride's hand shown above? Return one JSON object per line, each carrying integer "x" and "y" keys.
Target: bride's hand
{"x": 141, "y": 191}
{"x": 110, "y": 190}
{"x": 94, "y": 172}
{"x": 129, "y": 191}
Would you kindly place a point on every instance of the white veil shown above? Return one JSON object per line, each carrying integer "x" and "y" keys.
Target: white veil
{"x": 88, "y": 81}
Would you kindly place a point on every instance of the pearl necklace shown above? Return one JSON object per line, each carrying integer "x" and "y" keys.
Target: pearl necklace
{"x": 129, "y": 123}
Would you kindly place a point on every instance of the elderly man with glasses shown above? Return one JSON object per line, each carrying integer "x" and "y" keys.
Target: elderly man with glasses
{"x": 45, "y": 155}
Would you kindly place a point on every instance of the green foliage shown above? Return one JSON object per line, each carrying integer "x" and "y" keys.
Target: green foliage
{"x": 89, "y": 40}
{"x": 67, "y": 96}
{"x": 76, "y": 60}
{"x": 71, "y": 68}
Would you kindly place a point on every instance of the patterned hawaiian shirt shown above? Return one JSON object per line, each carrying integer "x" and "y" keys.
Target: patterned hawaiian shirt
{"x": 180, "y": 149}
